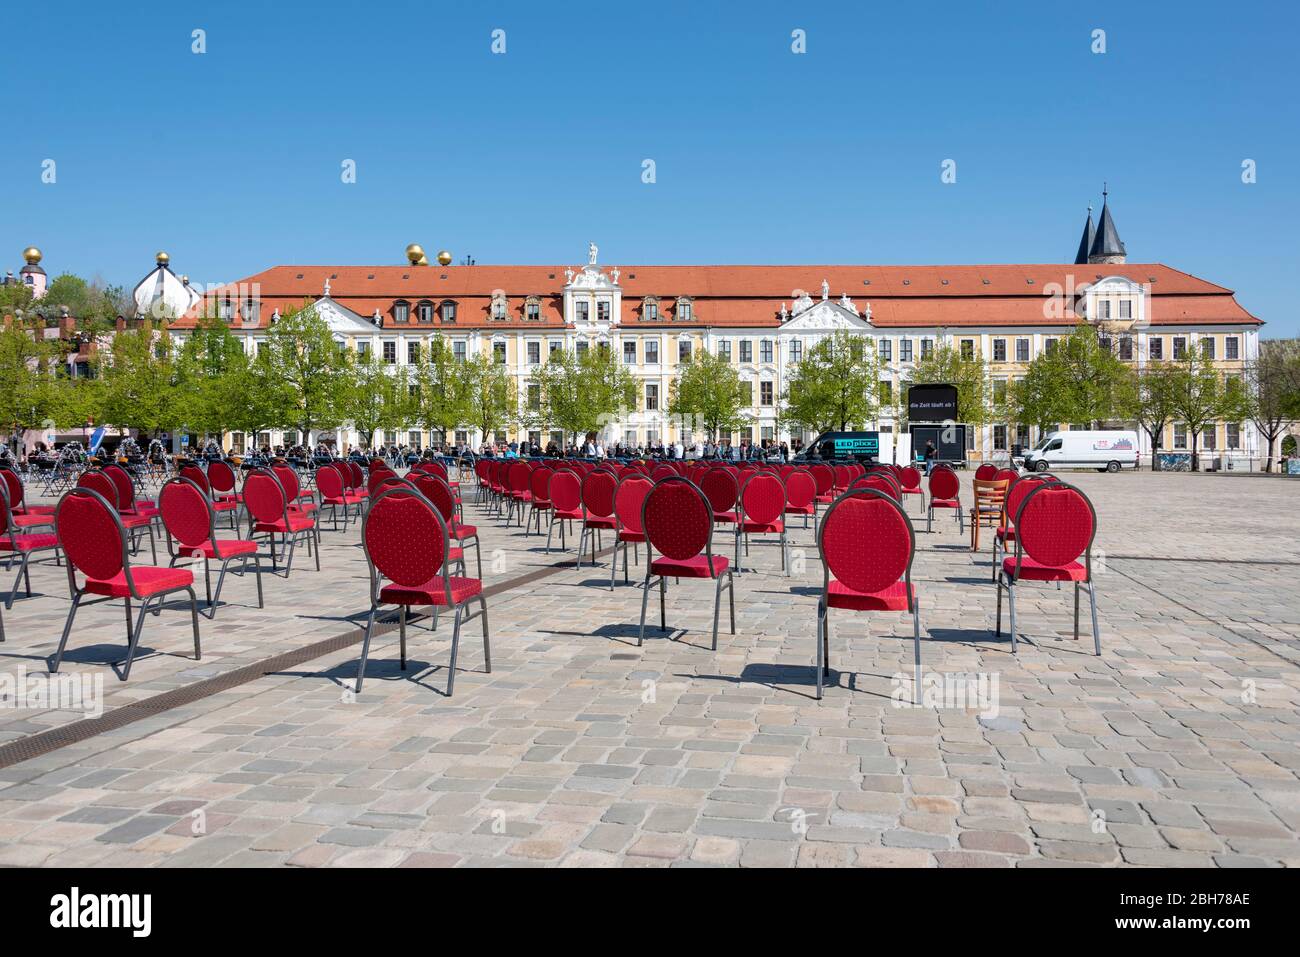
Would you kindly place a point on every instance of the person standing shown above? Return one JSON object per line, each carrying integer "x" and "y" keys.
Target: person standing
{"x": 931, "y": 453}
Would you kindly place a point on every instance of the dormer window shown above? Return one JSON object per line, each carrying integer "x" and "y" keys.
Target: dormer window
{"x": 424, "y": 311}
{"x": 401, "y": 311}
{"x": 533, "y": 309}
{"x": 685, "y": 309}
{"x": 251, "y": 310}
{"x": 499, "y": 308}
{"x": 650, "y": 309}
{"x": 225, "y": 310}
{"x": 448, "y": 311}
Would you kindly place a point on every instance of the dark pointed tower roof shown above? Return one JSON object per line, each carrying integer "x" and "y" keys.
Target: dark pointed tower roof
{"x": 1085, "y": 244}
{"x": 1107, "y": 242}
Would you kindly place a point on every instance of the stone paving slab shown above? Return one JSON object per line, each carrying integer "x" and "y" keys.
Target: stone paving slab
{"x": 1177, "y": 747}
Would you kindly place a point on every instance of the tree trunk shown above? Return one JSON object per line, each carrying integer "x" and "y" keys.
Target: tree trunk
{"x": 1196, "y": 436}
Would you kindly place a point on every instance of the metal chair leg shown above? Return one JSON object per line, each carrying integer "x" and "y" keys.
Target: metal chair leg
{"x": 401, "y": 633}
{"x": 365, "y": 647}
{"x": 1011, "y": 604}
{"x": 67, "y": 630}
{"x": 1092, "y": 601}
{"x": 645, "y": 600}
{"x": 455, "y": 644}
{"x": 487, "y": 651}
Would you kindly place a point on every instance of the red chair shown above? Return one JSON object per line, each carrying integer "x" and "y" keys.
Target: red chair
{"x": 844, "y": 476}
{"x": 334, "y": 492}
{"x": 517, "y": 491}
{"x": 1055, "y": 527}
{"x": 761, "y": 511}
{"x": 377, "y": 475}
{"x": 270, "y": 515}
{"x": 1016, "y": 492}
{"x": 564, "y": 496}
{"x": 678, "y": 521}
{"x": 406, "y": 542}
{"x": 824, "y": 476}
{"x": 103, "y": 486}
{"x": 909, "y": 480}
{"x": 299, "y": 498}
{"x": 93, "y": 536}
{"x": 127, "y": 502}
{"x": 945, "y": 489}
{"x": 628, "y": 530}
{"x": 881, "y": 482}
{"x": 663, "y": 472}
{"x": 867, "y": 545}
{"x": 598, "y": 487}
{"x": 539, "y": 480}
{"x": 986, "y": 471}
{"x": 356, "y": 479}
{"x": 222, "y": 481}
{"x": 24, "y": 515}
{"x": 800, "y": 494}
{"x": 722, "y": 488}
{"x": 439, "y": 493}
{"x": 22, "y": 545}
{"x": 190, "y": 520}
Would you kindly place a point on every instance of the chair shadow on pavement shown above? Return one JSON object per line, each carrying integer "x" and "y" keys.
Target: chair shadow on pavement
{"x": 796, "y": 678}
{"x": 418, "y": 672}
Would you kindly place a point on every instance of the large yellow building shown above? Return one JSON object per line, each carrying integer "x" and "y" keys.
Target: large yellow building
{"x": 763, "y": 319}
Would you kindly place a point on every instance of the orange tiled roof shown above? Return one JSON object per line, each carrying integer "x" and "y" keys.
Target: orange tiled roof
{"x": 921, "y": 296}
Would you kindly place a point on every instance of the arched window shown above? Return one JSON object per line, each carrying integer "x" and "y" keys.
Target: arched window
{"x": 448, "y": 311}
{"x": 424, "y": 311}
{"x": 650, "y": 309}
{"x": 685, "y": 309}
{"x": 533, "y": 309}
{"x": 401, "y": 311}
{"x": 500, "y": 308}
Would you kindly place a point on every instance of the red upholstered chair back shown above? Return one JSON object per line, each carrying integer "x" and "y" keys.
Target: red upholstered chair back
{"x": 378, "y": 475}
{"x": 221, "y": 478}
{"x": 663, "y": 472}
{"x": 879, "y": 481}
{"x": 678, "y": 518}
{"x": 264, "y": 496}
{"x": 843, "y": 475}
{"x": 986, "y": 471}
{"x": 377, "y": 462}
{"x": 1010, "y": 476}
{"x": 518, "y": 477}
{"x": 628, "y": 498}
{"x": 438, "y": 492}
{"x": 800, "y": 488}
{"x": 330, "y": 482}
{"x": 866, "y": 540}
{"x": 101, "y": 485}
{"x": 598, "y": 493}
{"x": 90, "y": 533}
{"x": 6, "y": 513}
{"x": 944, "y": 483}
{"x": 1055, "y": 524}
{"x": 289, "y": 480}
{"x": 1016, "y": 493}
{"x": 13, "y": 487}
{"x": 197, "y": 476}
{"x": 538, "y": 481}
{"x": 909, "y": 477}
{"x": 405, "y": 538}
{"x": 186, "y": 512}
{"x": 353, "y": 477}
{"x": 824, "y": 476}
{"x": 762, "y": 499}
{"x": 721, "y": 488}
{"x": 436, "y": 468}
{"x": 125, "y": 487}
{"x": 565, "y": 490}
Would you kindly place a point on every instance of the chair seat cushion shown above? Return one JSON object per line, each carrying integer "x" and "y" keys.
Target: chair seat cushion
{"x": 912, "y": 491}
{"x": 568, "y": 513}
{"x": 825, "y": 498}
{"x": 35, "y": 510}
{"x": 136, "y": 521}
{"x": 626, "y": 536}
{"x": 809, "y": 509}
{"x": 724, "y": 516}
{"x": 1006, "y": 534}
{"x": 599, "y": 521}
{"x": 27, "y": 543}
{"x": 759, "y": 528}
{"x": 226, "y": 505}
{"x": 891, "y": 598}
{"x": 462, "y": 532}
{"x": 431, "y": 592}
{"x": 149, "y": 580}
{"x": 1031, "y": 570}
{"x": 945, "y": 503}
{"x": 32, "y": 521}
{"x": 296, "y": 522}
{"x": 229, "y": 547}
{"x": 694, "y": 567}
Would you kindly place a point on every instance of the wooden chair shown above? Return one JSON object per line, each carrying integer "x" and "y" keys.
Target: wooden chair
{"x": 989, "y": 510}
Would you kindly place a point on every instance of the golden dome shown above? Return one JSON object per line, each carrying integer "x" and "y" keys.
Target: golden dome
{"x": 444, "y": 258}
{"x": 162, "y": 258}
{"x": 415, "y": 253}
{"x": 32, "y": 255}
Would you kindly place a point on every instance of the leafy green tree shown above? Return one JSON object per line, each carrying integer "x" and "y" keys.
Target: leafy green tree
{"x": 835, "y": 385}
{"x": 1151, "y": 397}
{"x": 28, "y": 386}
{"x": 212, "y": 381}
{"x": 1201, "y": 396}
{"x": 1079, "y": 380}
{"x": 377, "y": 397}
{"x": 1272, "y": 385}
{"x": 309, "y": 369}
{"x": 137, "y": 382}
{"x": 709, "y": 391}
{"x": 490, "y": 395}
{"x": 947, "y": 366}
{"x": 15, "y": 297}
{"x": 443, "y": 390}
{"x": 576, "y": 393}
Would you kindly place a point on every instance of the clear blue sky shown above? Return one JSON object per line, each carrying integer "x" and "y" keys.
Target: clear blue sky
{"x": 230, "y": 160}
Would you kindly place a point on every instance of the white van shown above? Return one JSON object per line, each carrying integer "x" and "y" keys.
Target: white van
{"x": 1107, "y": 451}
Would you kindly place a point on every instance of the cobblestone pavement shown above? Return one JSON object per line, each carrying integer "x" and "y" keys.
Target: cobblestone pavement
{"x": 1178, "y": 746}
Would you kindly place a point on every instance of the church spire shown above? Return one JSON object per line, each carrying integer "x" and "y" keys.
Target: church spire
{"x": 1085, "y": 243}
{"x": 1106, "y": 246}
